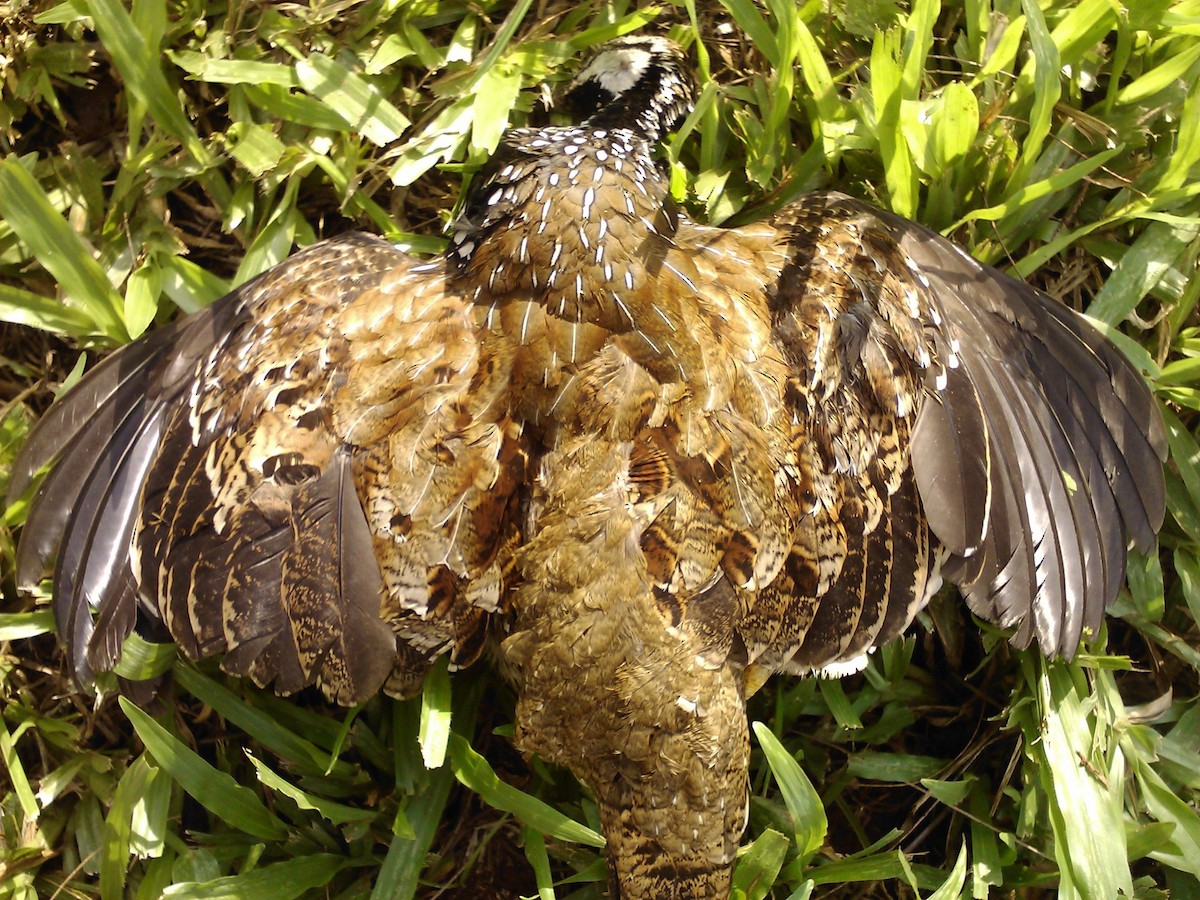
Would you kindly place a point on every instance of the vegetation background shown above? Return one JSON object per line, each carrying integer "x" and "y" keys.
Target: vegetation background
{"x": 154, "y": 154}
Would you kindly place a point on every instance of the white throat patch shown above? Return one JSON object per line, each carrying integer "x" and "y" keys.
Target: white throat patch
{"x": 618, "y": 69}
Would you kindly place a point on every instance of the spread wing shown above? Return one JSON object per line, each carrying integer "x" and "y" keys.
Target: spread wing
{"x": 947, "y": 412}
{"x": 307, "y": 477}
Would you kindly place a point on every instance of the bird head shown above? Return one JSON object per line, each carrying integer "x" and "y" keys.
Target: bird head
{"x": 640, "y": 82}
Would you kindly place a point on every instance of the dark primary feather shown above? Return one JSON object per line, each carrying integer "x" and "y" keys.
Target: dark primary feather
{"x": 1061, "y": 402}
{"x": 652, "y": 459}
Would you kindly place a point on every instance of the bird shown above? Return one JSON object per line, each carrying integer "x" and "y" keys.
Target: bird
{"x": 638, "y": 461}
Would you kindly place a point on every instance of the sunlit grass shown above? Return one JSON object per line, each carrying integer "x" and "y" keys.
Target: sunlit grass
{"x": 153, "y": 155}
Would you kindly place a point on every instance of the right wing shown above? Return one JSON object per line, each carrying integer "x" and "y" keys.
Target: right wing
{"x": 314, "y": 476}
{"x": 1035, "y": 447}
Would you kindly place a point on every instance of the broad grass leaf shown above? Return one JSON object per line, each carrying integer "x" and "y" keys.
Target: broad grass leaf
{"x": 213, "y": 789}
{"x": 359, "y": 102}
{"x": 952, "y": 888}
{"x": 1042, "y": 71}
{"x": 141, "y": 659}
{"x": 233, "y": 71}
{"x": 114, "y": 859}
{"x": 22, "y": 626}
{"x": 1175, "y": 67}
{"x": 887, "y": 92}
{"x": 1086, "y": 812}
{"x": 188, "y": 285}
{"x": 801, "y": 798}
{"x": 279, "y": 881}
{"x": 399, "y": 876}
{"x": 434, "y": 734}
{"x": 21, "y": 307}
{"x": 1182, "y": 850}
{"x": 331, "y": 810}
{"x": 474, "y": 771}
{"x": 142, "y": 291}
{"x": 268, "y": 730}
{"x": 758, "y": 867}
{"x": 1143, "y": 264}
{"x": 140, "y": 67}
{"x": 16, "y": 774}
{"x": 24, "y": 206}
{"x": 495, "y": 94}
{"x": 539, "y": 860}
{"x": 953, "y": 125}
{"x": 901, "y": 768}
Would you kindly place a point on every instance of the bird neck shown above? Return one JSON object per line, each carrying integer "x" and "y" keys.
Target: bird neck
{"x": 571, "y": 218}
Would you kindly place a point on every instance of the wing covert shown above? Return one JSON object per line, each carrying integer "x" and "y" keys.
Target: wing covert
{"x": 227, "y": 470}
{"x": 1033, "y": 445}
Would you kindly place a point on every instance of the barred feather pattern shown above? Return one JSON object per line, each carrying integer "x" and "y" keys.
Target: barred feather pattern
{"x": 652, "y": 459}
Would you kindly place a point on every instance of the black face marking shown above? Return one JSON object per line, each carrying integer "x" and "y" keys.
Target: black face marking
{"x": 587, "y": 99}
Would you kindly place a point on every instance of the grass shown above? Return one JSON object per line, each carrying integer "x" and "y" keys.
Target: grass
{"x": 154, "y": 154}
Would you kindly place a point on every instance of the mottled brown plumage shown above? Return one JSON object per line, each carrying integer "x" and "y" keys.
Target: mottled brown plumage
{"x": 653, "y": 459}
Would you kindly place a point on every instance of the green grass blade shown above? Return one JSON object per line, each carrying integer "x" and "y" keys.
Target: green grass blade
{"x": 434, "y": 144}
{"x": 214, "y": 790}
{"x": 434, "y": 734}
{"x": 16, "y": 774}
{"x": 273, "y": 243}
{"x": 1087, "y": 813}
{"x": 1142, "y": 265}
{"x": 952, "y": 888}
{"x": 25, "y": 308}
{"x": 801, "y": 798}
{"x": 1043, "y": 71}
{"x": 504, "y": 35}
{"x": 539, "y": 860}
{"x": 301, "y": 109}
{"x": 759, "y": 866}
{"x": 331, "y": 810}
{"x": 918, "y": 39}
{"x": 1004, "y": 53}
{"x": 1172, "y": 70}
{"x": 473, "y": 771}
{"x": 22, "y": 626}
{"x": 357, "y": 100}
{"x": 260, "y": 725}
{"x": 953, "y": 126}
{"x": 1059, "y": 181}
{"x": 138, "y": 63}
{"x": 835, "y": 698}
{"x": 399, "y": 875}
{"x": 750, "y": 20}
{"x": 279, "y": 881}
{"x": 896, "y": 768}
{"x": 24, "y": 206}
{"x": 233, "y": 71}
{"x": 888, "y": 97}
{"x": 495, "y": 94}
{"x": 817, "y": 78}
{"x": 1182, "y": 850}
{"x": 141, "y": 659}
{"x": 114, "y": 861}
{"x": 189, "y": 286}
